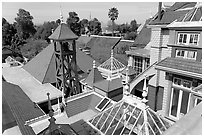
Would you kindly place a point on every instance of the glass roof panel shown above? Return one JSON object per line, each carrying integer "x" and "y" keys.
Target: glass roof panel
{"x": 157, "y": 121}
{"x": 118, "y": 129}
{"x": 197, "y": 15}
{"x": 125, "y": 118}
{"x": 138, "y": 123}
{"x": 96, "y": 119}
{"x": 167, "y": 125}
{"x": 153, "y": 125}
{"x": 150, "y": 130}
{"x": 189, "y": 15}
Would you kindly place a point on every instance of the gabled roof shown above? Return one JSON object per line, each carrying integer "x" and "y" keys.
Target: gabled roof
{"x": 177, "y": 10}
{"x": 185, "y": 65}
{"x": 109, "y": 85}
{"x": 21, "y": 106}
{"x": 143, "y": 38}
{"x": 93, "y": 77}
{"x": 63, "y": 32}
{"x": 100, "y": 47}
{"x": 42, "y": 66}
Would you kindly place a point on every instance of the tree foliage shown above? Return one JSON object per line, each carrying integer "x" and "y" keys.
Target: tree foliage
{"x": 73, "y": 23}
{"x": 24, "y": 25}
{"x": 133, "y": 25}
{"x": 8, "y": 31}
{"x": 45, "y": 30}
{"x": 95, "y": 26}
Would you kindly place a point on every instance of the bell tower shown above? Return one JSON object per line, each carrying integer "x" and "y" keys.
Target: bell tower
{"x": 65, "y": 60}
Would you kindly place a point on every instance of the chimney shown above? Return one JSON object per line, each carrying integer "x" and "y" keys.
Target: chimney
{"x": 159, "y": 10}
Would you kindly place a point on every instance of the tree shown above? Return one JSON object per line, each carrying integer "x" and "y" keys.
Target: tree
{"x": 133, "y": 25}
{"x": 95, "y": 26}
{"x": 130, "y": 35}
{"x": 24, "y": 24}
{"x": 45, "y": 30}
{"x": 113, "y": 15}
{"x": 84, "y": 26}
{"x": 73, "y": 23}
{"x": 8, "y": 31}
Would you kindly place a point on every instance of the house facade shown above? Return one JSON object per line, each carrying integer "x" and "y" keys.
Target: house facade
{"x": 181, "y": 73}
{"x": 175, "y": 68}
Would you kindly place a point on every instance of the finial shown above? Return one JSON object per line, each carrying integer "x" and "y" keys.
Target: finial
{"x": 50, "y": 106}
{"x": 144, "y": 94}
{"x": 94, "y": 64}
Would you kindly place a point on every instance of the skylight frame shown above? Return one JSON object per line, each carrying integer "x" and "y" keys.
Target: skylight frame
{"x": 104, "y": 105}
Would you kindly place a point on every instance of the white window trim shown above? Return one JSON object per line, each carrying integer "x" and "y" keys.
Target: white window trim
{"x": 187, "y": 39}
{"x": 178, "y": 114}
{"x": 196, "y": 101}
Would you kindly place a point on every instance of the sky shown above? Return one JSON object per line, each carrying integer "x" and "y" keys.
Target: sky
{"x": 50, "y": 11}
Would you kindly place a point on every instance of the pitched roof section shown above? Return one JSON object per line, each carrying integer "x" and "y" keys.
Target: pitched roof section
{"x": 42, "y": 65}
{"x": 177, "y": 10}
{"x": 21, "y": 106}
{"x": 101, "y": 46}
{"x": 109, "y": 85}
{"x": 143, "y": 37}
{"x": 63, "y": 32}
{"x": 194, "y": 14}
{"x": 93, "y": 77}
{"x": 182, "y": 64}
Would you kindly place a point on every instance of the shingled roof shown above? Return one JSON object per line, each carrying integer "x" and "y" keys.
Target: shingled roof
{"x": 42, "y": 66}
{"x": 185, "y": 65}
{"x": 21, "y": 106}
{"x": 143, "y": 38}
{"x": 100, "y": 47}
{"x": 63, "y": 32}
{"x": 177, "y": 10}
{"x": 93, "y": 77}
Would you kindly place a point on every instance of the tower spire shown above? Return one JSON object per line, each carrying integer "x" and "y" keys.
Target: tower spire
{"x": 61, "y": 16}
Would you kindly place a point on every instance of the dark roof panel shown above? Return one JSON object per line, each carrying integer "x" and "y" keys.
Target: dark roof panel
{"x": 21, "y": 106}
{"x": 109, "y": 85}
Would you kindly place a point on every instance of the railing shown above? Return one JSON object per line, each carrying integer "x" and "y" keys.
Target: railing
{"x": 40, "y": 118}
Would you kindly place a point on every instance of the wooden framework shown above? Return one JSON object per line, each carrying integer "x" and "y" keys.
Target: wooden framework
{"x": 66, "y": 67}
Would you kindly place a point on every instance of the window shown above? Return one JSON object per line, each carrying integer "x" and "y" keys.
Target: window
{"x": 182, "y": 83}
{"x": 138, "y": 65}
{"x": 179, "y": 103}
{"x": 103, "y": 104}
{"x": 188, "y": 39}
{"x": 186, "y": 54}
{"x": 147, "y": 62}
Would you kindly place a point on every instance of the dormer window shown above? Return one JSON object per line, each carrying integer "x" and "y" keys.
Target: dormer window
{"x": 188, "y": 38}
